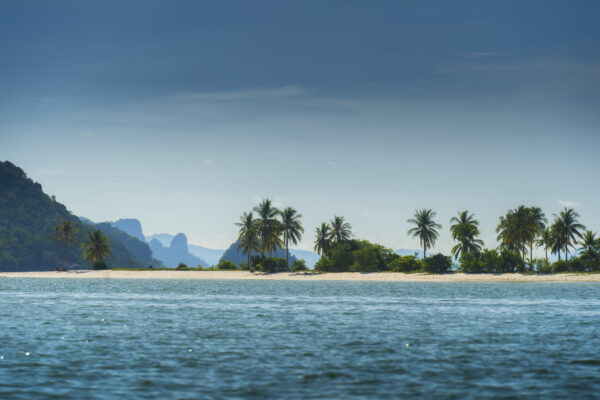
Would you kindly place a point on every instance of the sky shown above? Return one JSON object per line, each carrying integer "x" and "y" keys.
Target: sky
{"x": 185, "y": 114}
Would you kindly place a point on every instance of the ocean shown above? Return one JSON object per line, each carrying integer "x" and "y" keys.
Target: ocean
{"x": 220, "y": 339}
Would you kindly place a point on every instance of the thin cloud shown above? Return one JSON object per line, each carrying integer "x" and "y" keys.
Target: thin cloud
{"x": 367, "y": 215}
{"x": 49, "y": 171}
{"x": 208, "y": 163}
{"x": 252, "y": 94}
{"x": 568, "y": 203}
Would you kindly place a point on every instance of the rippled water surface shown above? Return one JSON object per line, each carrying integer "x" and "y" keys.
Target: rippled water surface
{"x": 115, "y": 339}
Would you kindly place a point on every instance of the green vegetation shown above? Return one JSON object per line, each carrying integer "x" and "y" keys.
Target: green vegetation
{"x": 270, "y": 264}
{"x": 425, "y": 228}
{"x": 465, "y": 229}
{"x": 267, "y": 235}
{"x": 99, "y": 265}
{"x": 299, "y": 265}
{"x": 32, "y": 229}
{"x": 224, "y": 264}
{"x": 518, "y": 231}
{"x": 96, "y": 248}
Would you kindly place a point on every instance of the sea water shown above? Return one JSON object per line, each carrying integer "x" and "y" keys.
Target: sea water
{"x": 196, "y": 339}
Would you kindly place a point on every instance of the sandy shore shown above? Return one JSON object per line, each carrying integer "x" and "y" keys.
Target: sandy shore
{"x": 346, "y": 276}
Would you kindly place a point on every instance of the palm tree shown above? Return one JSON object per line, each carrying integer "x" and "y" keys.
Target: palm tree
{"x": 292, "y": 230}
{"x": 465, "y": 229}
{"x": 269, "y": 227}
{"x": 516, "y": 230}
{"x": 248, "y": 236}
{"x": 557, "y": 242}
{"x": 425, "y": 228}
{"x": 96, "y": 247}
{"x": 538, "y": 220}
{"x": 56, "y": 235}
{"x": 323, "y": 239}
{"x": 569, "y": 227}
{"x": 545, "y": 240}
{"x": 340, "y": 229}
{"x": 590, "y": 246}
{"x": 68, "y": 231}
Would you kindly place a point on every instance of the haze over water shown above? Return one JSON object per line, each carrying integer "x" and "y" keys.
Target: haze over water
{"x": 142, "y": 339}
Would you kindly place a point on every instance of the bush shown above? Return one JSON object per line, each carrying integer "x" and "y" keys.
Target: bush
{"x": 243, "y": 266}
{"x": 437, "y": 264}
{"x": 511, "y": 262}
{"x": 182, "y": 266}
{"x": 299, "y": 265}
{"x": 542, "y": 266}
{"x": 272, "y": 264}
{"x": 226, "y": 264}
{"x": 356, "y": 255}
{"x": 99, "y": 265}
{"x": 560, "y": 266}
{"x": 405, "y": 264}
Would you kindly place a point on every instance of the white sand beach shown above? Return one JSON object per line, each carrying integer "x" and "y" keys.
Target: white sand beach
{"x": 345, "y": 276}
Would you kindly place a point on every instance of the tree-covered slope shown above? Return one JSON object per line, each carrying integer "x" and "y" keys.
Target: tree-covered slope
{"x": 28, "y": 216}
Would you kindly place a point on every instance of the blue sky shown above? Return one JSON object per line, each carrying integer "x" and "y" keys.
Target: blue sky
{"x": 185, "y": 114}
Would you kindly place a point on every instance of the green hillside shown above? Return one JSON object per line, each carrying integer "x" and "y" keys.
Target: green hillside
{"x": 28, "y": 216}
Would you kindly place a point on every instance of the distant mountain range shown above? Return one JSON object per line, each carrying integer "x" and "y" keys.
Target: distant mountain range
{"x": 170, "y": 250}
{"x": 210, "y": 256}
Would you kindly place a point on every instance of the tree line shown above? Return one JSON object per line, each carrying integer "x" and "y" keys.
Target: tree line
{"x": 95, "y": 249}
{"x": 519, "y": 231}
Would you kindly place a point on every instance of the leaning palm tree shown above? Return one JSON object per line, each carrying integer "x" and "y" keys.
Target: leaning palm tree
{"x": 323, "y": 239}
{"x": 545, "y": 240}
{"x": 425, "y": 228}
{"x": 516, "y": 230}
{"x": 69, "y": 234}
{"x": 269, "y": 227}
{"x": 465, "y": 229}
{"x": 570, "y": 228}
{"x": 248, "y": 236}
{"x": 340, "y": 229}
{"x": 57, "y": 237}
{"x": 292, "y": 230}
{"x": 96, "y": 248}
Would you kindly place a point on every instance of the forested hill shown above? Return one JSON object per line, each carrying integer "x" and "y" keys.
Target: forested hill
{"x": 28, "y": 216}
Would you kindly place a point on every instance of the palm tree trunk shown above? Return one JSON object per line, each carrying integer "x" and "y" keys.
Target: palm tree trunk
{"x": 66, "y": 254}
{"x": 424, "y": 252}
{"x": 531, "y": 253}
{"x": 546, "y": 254}
{"x": 57, "y": 255}
{"x": 249, "y": 266}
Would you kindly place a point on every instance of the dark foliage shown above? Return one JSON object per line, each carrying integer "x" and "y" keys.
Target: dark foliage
{"x": 28, "y": 216}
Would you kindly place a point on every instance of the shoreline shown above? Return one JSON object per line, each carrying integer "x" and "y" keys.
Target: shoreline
{"x": 295, "y": 276}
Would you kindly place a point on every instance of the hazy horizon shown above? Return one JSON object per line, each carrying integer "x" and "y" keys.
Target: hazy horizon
{"x": 186, "y": 115}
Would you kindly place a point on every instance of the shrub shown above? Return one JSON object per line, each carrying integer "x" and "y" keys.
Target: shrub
{"x": 437, "y": 264}
{"x": 473, "y": 262}
{"x": 299, "y": 265}
{"x": 99, "y": 265}
{"x": 511, "y": 262}
{"x": 272, "y": 264}
{"x": 542, "y": 266}
{"x": 182, "y": 266}
{"x": 243, "y": 266}
{"x": 560, "y": 266}
{"x": 405, "y": 264}
{"x": 226, "y": 264}
{"x": 356, "y": 255}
